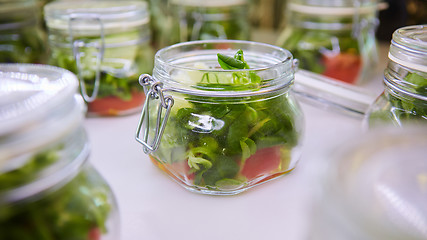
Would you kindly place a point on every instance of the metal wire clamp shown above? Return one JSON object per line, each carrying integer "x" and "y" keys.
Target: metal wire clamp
{"x": 153, "y": 90}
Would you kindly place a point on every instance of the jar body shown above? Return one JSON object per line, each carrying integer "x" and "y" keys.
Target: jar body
{"x": 342, "y": 47}
{"x": 222, "y": 147}
{"x": 204, "y": 22}
{"x": 225, "y": 132}
{"x": 22, "y": 39}
{"x": 81, "y": 209}
{"x": 56, "y": 194}
{"x": 107, "y": 60}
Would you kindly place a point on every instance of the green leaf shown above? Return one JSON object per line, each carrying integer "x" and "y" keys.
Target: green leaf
{"x": 229, "y": 63}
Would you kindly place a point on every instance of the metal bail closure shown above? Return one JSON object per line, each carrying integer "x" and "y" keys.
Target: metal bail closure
{"x": 151, "y": 137}
{"x": 79, "y": 56}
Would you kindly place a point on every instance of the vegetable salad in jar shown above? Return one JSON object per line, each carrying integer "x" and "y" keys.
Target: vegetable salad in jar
{"x": 107, "y": 45}
{"x": 229, "y": 123}
{"x": 336, "y": 40}
{"x": 204, "y": 20}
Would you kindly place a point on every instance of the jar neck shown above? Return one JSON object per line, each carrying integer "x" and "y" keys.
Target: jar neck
{"x": 396, "y": 83}
{"x": 192, "y": 68}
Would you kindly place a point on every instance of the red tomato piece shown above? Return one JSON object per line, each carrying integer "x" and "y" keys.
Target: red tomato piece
{"x": 115, "y": 105}
{"x": 343, "y": 66}
{"x": 94, "y": 234}
{"x": 264, "y": 161}
{"x": 182, "y": 169}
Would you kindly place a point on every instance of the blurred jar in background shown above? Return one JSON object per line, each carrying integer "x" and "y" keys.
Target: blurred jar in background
{"x": 374, "y": 188}
{"x": 161, "y": 23}
{"x": 203, "y": 20}
{"x": 22, "y": 39}
{"x": 107, "y": 45}
{"x": 48, "y": 189}
{"x": 405, "y": 80}
{"x": 333, "y": 38}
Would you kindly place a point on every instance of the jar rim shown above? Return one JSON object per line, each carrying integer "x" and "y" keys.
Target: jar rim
{"x": 283, "y": 62}
{"x": 413, "y": 37}
{"x": 158, "y": 56}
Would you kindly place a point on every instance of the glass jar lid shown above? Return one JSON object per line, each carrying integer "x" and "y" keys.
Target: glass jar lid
{"x": 39, "y": 107}
{"x": 217, "y": 3}
{"x": 193, "y": 68}
{"x": 92, "y": 15}
{"x": 379, "y": 181}
{"x": 38, "y": 104}
{"x": 409, "y": 47}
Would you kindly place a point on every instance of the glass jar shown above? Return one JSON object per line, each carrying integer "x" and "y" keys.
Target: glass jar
{"x": 333, "y": 38}
{"x": 218, "y": 131}
{"x": 107, "y": 44}
{"x": 374, "y": 188}
{"x": 48, "y": 189}
{"x": 405, "y": 78}
{"x": 21, "y": 35}
{"x": 204, "y": 20}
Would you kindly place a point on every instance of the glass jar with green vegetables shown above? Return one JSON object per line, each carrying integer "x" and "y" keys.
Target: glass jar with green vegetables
{"x": 107, "y": 45}
{"x": 48, "y": 189}
{"x": 219, "y": 117}
{"x": 22, "y": 39}
{"x": 333, "y": 38}
{"x": 204, "y": 20}
{"x": 405, "y": 79}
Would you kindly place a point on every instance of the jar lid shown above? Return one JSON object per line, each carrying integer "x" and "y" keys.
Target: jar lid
{"x": 217, "y": 3}
{"x": 39, "y": 108}
{"x": 92, "y": 15}
{"x": 38, "y": 104}
{"x": 379, "y": 182}
{"x": 409, "y": 47}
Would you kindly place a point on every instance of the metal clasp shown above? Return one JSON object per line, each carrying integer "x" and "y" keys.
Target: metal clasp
{"x": 153, "y": 90}
{"x": 78, "y": 55}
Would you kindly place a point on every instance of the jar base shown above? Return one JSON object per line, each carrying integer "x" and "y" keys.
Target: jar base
{"x": 181, "y": 180}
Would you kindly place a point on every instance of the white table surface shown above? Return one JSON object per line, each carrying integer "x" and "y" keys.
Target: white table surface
{"x": 152, "y": 206}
